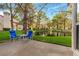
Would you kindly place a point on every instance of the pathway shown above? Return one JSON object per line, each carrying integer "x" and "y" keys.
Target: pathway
{"x": 33, "y": 48}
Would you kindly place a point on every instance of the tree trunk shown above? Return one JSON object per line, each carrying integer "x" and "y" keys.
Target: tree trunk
{"x": 11, "y": 16}
{"x": 12, "y": 22}
{"x": 38, "y": 22}
{"x": 57, "y": 28}
{"x": 24, "y": 23}
{"x": 64, "y": 27}
{"x": 25, "y": 20}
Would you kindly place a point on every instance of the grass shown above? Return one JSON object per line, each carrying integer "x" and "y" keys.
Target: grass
{"x": 60, "y": 40}
{"x": 4, "y": 35}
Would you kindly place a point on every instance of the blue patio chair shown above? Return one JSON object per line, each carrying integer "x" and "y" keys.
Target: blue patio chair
{"x": 29, "y": 34}
{"x": 12, "y": 34}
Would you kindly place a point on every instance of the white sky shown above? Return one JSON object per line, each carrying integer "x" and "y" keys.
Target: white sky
{"x": 1, "y": 13}
{"x": 78, "y": 8}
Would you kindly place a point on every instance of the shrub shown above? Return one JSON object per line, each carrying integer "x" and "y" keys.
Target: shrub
{"x": 41, "y": 31}
{"x": 50, "y": 35}
{"x": 6, "y": 29}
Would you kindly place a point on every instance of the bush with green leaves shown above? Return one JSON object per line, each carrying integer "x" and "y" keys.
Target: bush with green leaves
{"x": 41, "y": 31}
{"x": 6, "y": 29}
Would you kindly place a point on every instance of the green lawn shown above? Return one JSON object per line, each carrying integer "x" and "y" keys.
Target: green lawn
{"x": 4, "y": 35}
{"x": 61, "y": 40}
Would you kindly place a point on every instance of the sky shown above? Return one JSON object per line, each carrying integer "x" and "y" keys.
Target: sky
{"x": 78, "y": 7}
{"x": 50, "y": 9}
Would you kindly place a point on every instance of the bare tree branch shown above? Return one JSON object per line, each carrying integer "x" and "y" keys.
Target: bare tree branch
{"x": 20, "y": 5}
{"x": 40, "y": 9}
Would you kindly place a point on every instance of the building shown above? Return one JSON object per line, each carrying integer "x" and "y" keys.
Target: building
{"x": 1, "y": 26}
{"x": 75, "y": 30}
{"x": 5, "y": 22}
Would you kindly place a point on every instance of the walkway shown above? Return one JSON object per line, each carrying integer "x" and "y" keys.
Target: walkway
{"x": 33, "y": 48}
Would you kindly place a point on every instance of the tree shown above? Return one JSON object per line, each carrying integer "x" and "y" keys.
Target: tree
{"x": 49, "y": 24}
{"x": 40, "y": 17}
{"x": 11, "y": 7}
{"x": 25, "y": 9}
{"x": 55, "y": 20}
{"x": 63, "y": 15}
{"x": 40, "y": 14}
{"x": 65, "y": 21}
{"x": 61, "y": 22}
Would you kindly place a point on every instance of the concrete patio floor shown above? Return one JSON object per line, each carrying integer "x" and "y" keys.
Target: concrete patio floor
{"x": 33, "y": 48}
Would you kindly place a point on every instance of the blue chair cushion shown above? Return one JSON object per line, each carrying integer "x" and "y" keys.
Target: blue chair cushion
{"x": 12, "y": 34}
{"x": 29, "y": 35}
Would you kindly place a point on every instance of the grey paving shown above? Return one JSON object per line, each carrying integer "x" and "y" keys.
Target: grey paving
{"x": 33, "y": 48}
